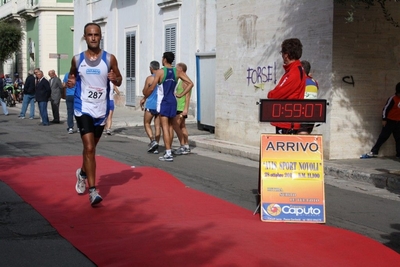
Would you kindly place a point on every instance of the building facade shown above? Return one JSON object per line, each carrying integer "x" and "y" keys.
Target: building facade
{"x": 47, "y": 27}
{"x": 138, "y": 32}
{"x": 232, "y": 53}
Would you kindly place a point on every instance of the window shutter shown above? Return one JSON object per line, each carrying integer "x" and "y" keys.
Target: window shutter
{"x": 170, "y": 39}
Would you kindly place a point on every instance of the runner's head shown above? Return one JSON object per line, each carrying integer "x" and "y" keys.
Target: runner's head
{"x": 92, "y": 35}
{"x": 168, "y": 57}
{"x": 154, "y": 65}
{"x": 182, "y": 66}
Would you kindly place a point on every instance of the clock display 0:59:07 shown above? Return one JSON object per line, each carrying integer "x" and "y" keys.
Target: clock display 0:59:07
{"x": 277, "y": 110}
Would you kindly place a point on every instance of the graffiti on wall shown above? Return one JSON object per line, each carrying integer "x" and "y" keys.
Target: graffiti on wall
{"x": 348, "y": 80}
{"x": 261, "y": 74}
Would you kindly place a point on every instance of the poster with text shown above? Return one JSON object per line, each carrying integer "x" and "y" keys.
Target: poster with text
{"x": 292, "y": 178}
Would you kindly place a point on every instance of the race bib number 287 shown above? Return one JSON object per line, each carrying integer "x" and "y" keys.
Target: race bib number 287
{"x": 95, "y": 94}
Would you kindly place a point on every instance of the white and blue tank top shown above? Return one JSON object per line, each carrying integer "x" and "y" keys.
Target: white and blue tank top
{"x": 92, "y": 93}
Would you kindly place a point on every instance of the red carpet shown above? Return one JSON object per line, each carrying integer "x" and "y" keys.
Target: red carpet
{"x": 149, "y": 218}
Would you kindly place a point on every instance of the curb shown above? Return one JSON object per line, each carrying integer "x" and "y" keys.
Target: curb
{"x": 379, "y": 179}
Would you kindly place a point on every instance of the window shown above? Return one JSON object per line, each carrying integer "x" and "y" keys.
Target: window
{"x": 130, "y": 68}
{"x": 170, "y": 39}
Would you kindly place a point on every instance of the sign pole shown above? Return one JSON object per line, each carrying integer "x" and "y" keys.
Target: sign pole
{"x": 58, "y": 65}
{"x": 58, "y": 56}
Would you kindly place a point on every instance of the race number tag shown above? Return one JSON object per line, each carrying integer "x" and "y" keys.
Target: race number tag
{"x": 95, "y": 94}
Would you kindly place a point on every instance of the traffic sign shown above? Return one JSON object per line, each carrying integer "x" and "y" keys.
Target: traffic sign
{"x": 59, "y": 56}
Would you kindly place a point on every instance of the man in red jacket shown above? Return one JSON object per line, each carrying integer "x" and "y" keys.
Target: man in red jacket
{"x": 292, "y": 84}
{"x": 390, "y": 125}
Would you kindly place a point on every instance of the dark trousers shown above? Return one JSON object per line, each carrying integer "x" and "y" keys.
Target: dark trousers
{"x": 43, "y": 112}
{"x": 55, "y": 108}
{"x": 70, "y": 110}
{"x": 391, "y": 127}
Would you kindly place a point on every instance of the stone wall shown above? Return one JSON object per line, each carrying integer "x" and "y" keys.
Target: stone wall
{"x": 366, "y": 51}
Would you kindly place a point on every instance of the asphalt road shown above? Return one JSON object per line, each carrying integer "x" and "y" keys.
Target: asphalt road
{"x": 26, "y": 239}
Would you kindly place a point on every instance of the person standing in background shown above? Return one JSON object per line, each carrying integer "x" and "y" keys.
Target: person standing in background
{"x": 390, "y": 125}
{"x": 113, "y": 90}
{"x": 292, "y": 84}
{"x": 69, "y": 102}
{"x": 29, "y": 96}
{"x": 42, "y": 95}
{"x": 56, "y": 91}
{"x": 311, "y": 92}
{"x": 181, "y": 114}
{"x": 3, "y": 104}
{"x": 9, "y": 83}
{"x": 18, "y": 86}
{"x": 149, "y": 106}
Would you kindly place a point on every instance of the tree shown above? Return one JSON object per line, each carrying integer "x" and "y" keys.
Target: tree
{"x": 10, "y": 41}
{"x": 368, "y": 3}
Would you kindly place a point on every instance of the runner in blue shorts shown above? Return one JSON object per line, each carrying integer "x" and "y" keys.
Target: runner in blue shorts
{"x": 168, "y": 77}
{"x": 150, "y": 105}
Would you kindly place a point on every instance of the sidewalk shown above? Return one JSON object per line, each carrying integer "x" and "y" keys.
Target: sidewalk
{"x": 380, "y": 172}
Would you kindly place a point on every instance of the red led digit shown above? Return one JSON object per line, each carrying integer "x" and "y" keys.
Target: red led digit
{"x": 309, "y": 111}
{"x": 276, "y": 110}
{"x": 288, "y": 110}
{"x": 297, "y": 110}
{"x": 320, "y": 109}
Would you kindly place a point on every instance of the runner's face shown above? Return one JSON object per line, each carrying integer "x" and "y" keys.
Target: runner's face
{"x": 93, "y": 36}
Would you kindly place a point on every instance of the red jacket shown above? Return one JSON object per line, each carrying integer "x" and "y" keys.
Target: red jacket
{"x": 292, "y": 85}
{"x": 391, "y": 110}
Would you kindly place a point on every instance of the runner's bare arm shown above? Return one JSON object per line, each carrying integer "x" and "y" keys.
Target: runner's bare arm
{"x": 187, "y": 82}
{"x": 147, "y": 83}
{"x": 114, "y": 75}
{"x": 157, "y": 79}
{"x": 72, "y": 74}
{"x": 187, "y": 102}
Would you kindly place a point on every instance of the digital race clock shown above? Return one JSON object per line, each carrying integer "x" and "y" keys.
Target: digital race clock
{"x": 292, "y": 110}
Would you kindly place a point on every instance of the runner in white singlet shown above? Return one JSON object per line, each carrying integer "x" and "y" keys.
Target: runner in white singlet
{"x": 91, "y": 71}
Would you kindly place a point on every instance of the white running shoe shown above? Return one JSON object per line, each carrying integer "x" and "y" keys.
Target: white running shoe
{"x": 94, "y": 198}
{"x": 166, "y": 157}
{"x": 80, "y": 186}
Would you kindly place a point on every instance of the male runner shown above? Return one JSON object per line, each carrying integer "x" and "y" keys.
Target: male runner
{"x": 91, "y": 71}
